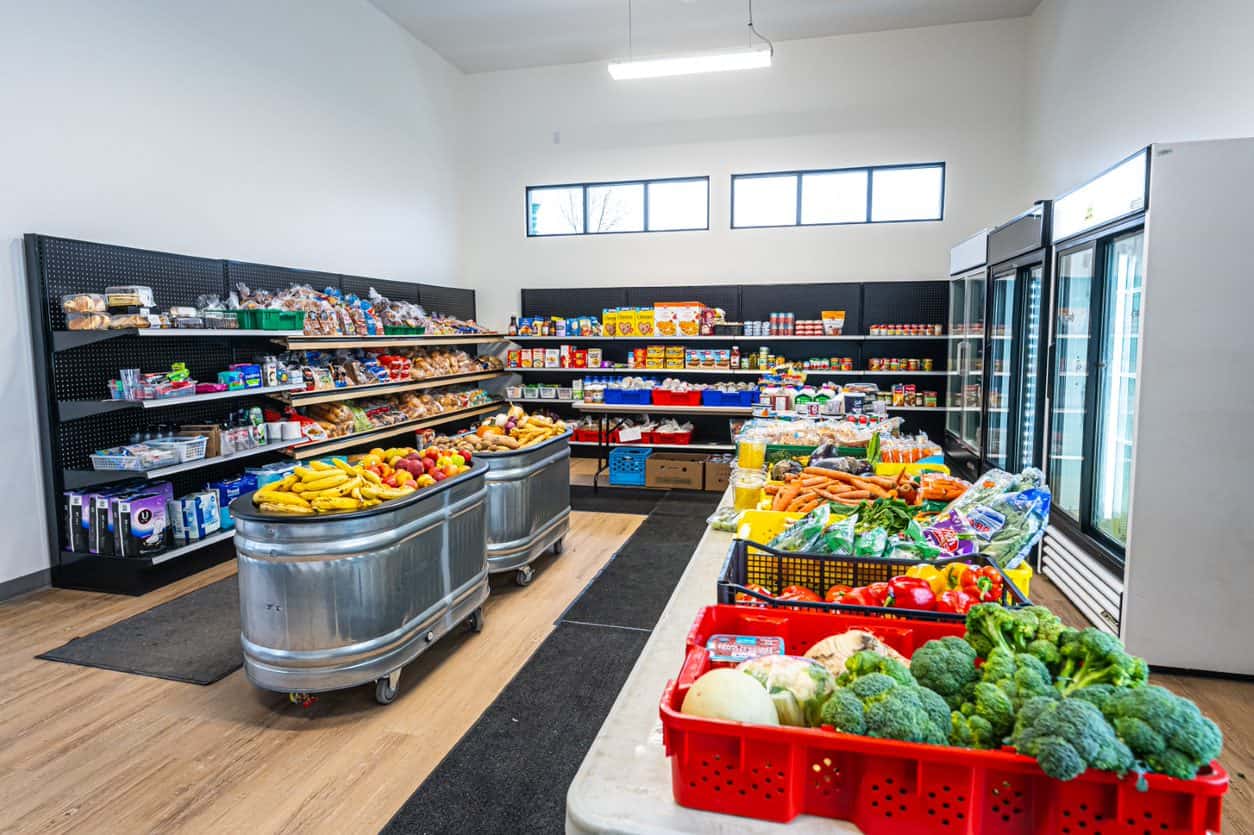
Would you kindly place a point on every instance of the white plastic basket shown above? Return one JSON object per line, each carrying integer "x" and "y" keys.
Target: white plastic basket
{"x": 185, "y": 449}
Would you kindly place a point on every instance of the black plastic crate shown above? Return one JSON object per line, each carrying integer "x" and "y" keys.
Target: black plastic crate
{"x": 751, "y": 563}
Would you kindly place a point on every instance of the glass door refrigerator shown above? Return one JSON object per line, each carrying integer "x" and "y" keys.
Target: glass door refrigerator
{"x": 1147, "y": 450}
{"x": 965, "y": 367}
{"x": 1015, "y": 344}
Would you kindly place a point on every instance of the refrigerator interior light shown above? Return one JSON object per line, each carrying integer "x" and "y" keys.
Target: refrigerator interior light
{"x": 741, "y": 59}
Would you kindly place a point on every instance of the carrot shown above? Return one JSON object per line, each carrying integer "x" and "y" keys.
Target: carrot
{"x": 786, "y": 496}
{"x": 855, "y": 494}
{"x": 805, "y": 505}
{"x": 877, "y": 491}
{"x": 835, "y": 475}
{"x": 771, "y": 489}
{"x": 829, "y": 495}
{"x": 813, "y": 480}
{"x": 882, "y": 481}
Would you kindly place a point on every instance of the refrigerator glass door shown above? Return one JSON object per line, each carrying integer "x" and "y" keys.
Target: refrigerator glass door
{"x": 1000, "y": 358}
{"x": 1116, "y": 385}
{"x": 1031, "y": 354}
{"x": 957, "y": 321}
{"x": 1071, "y": 374}
{"x": 973, "y": 359}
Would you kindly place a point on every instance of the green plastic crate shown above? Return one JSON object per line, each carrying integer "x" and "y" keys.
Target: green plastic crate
{"x": 403, "y": 330}
{"x": 272, "y": 320}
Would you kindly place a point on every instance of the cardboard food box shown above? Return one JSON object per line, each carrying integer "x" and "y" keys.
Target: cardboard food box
{"x": 626, "y": 318}
{"x": 644, "y": 322}
{"x": 609, "y": 322}
{"x": 683, "y": 470}
{"x": 717, "y": 475}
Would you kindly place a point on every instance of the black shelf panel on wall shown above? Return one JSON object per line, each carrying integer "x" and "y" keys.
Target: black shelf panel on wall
{"x": 905, "y": 302}
{"x": 573, "y": 301}
{"x": 72, "y": 366}
{"x": 711, "y": 295}
{"x": 807, "y": 301}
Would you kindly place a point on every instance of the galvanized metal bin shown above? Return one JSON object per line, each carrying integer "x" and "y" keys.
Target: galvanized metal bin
{"x": 335, "y": 601}
{"x": 528, "y": 504}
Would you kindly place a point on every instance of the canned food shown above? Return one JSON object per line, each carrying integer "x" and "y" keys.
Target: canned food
{"x": 846, "y": 364}
{"x": 929, "y": 398}
{"x": 894, "y": 364}
{"x": 875, "y": 363}
{"x": 912, "y": 364}
{"x": 927, "y": 363}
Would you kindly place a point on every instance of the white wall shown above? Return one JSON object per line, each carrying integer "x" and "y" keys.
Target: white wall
{"x": 315, "y": 134}
{"x": 952, "y": 93}
{"x": 1112, "y": 76}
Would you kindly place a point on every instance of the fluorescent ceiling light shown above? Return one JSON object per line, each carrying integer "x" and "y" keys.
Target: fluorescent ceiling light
{"x": 744, "y": 59}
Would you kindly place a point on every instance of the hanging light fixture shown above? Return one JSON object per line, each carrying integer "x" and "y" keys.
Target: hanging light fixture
{"x": 754, "y": 57}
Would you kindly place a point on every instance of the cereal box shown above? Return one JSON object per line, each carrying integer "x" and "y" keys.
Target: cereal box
{"x": 609, "y": 322}
{"x": 644, "y": 321}
{"x": 626, "y": 319}
{"x": 552, "y": 358}
{"x": 524, "y": 358}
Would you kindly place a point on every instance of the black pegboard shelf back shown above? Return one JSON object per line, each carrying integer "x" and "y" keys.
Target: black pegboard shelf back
{"x": 73, "y": 368}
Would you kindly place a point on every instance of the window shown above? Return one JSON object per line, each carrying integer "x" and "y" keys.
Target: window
{"x": 669, "y": 205}
{"x": 874, "y": 194}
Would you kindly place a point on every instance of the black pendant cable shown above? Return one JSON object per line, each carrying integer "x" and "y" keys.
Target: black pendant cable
{"x": 753, "y": 31}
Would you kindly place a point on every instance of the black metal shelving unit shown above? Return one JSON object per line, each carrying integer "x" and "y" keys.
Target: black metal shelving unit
{"x": 73, "y": 367}
{"x": 864, "y": 303}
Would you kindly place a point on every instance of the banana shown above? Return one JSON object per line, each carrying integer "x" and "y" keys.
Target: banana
{"x": 336, "y": 504}
{"x": 345, "y": 466}
{"x": 310, "y": 495}
{"x": 274, "y": 497}
{"x": 371, "y": 502}
{"x": 304, "y": 473}
{"x": 320, "y": 465}
{"x": 391, "y": 492}
{"x": 270, "y": 507}
{"x": 334, "y": 479}
{"x": 349, "y": 486}
{"x": 356, "y": 494}
{"x": 371, "y": 492}
{"x": 371, "y": 476}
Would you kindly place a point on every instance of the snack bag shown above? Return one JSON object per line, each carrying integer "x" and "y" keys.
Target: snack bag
{"x": 951, "y": 534}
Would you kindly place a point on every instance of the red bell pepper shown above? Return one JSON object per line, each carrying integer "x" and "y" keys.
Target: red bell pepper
{"x": 836, "y": 593}
{"x": 955, "y": 600}
{"x": 800, "y": 593}
{"x": 983, "y": 583}
{"x": 912, "y": 593}
{"x": 856, "y": 597}
{"x": 748, "y": 599}
{"x": 877, "y": 594}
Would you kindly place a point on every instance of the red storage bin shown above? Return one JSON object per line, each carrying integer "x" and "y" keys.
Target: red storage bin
{"x": 672, "y": 437}
{"x": 666, "y": 397}
{"x": 887, "y": 787}
{"x": 588, "y": 436}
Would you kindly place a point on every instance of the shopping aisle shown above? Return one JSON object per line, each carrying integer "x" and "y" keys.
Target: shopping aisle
{"x": 131, "y": 753}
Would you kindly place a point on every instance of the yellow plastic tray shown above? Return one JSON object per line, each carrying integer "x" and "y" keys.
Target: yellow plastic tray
{"x": 1021, "y": 577}
{"x": 764, "y": 525}
{"x": 914, "y": 469}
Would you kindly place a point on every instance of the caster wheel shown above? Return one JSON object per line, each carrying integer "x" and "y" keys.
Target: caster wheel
{"x": 524, "y": 575}
{"x": 475, "y": 621}
{"x": 385, "y": 688}
{"x": 559, "y": 546}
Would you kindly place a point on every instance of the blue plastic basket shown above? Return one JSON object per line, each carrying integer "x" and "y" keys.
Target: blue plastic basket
{"x": 628, "y": 397}
{"x": 713, "y": 397}
{"x": 627, "y": 466}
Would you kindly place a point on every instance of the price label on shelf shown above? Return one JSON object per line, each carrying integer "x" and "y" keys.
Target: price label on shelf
{"x": 628, "y": 436}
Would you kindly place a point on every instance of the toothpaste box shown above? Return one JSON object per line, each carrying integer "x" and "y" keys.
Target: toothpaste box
{"x": 141, "y": 524}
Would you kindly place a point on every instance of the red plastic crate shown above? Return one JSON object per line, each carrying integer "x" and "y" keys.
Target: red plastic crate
{"x": 666, "y": 397}
{"x": 590, "y": 436}
{"x": 887, "y": 787}
{"x": 671, "y": 437}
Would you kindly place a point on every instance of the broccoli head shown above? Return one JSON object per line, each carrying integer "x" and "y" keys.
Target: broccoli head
{"x": 878, "y": 705}
{"x": 972, "y": 731}
{"x": 1048, "y": 626}
{"x": 866, "y": 662}
{"x": 992, "y": 704}
{"x": 1168, "y": 733}
{"x": 1032, "y": 629}
{"x": 1068, "y": 736}
{"x": 1021, "y": 677}
{"x": 1092, "y": 656}
{"x": 1097, "y": 694}
{"x": 947, "y": 667}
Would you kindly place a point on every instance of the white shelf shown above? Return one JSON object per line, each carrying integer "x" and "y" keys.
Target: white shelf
{"x": 301, "y": 342}
{"x": 722, "y": 372}
{"x": 617, "y": 409}
{"x": 215, "y": 332}
{"x": 915, "y": 408}
{"x": 217, "y": 395}
{"x": 174, "y": 553}
{"x": 316, "y": 448}
{"x": 736, "y": 338}
{"x": 308, "y": 398}
{"x": 719, "y": 446}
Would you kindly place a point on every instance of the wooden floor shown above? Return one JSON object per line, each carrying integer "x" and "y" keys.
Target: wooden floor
{"x": 86, "y": 750}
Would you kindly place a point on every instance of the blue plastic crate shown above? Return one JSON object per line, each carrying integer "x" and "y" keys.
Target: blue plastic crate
{"x": 629, "y": 397}
{"x": 627, "y": 466}
{"x": 712, "y": 397}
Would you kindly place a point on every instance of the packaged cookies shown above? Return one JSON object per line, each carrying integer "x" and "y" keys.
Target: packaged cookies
{"x": 129, "y": 295}
{"x": 87, "y": 321}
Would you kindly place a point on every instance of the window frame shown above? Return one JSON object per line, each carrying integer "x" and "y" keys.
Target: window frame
{"x": 643, "y": 183}
{"x": 870, "y": 170}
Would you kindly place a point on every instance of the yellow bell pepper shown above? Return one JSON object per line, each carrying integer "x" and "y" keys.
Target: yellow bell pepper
{"x": 942, "y": 579}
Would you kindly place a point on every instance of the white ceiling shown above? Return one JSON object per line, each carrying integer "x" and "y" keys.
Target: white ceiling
{"x": 487, "y": 35}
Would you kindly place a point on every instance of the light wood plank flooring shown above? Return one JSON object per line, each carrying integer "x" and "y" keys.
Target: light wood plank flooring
{"x": 90, "y": 750}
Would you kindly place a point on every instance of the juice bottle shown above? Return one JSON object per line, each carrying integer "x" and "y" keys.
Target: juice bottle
{"x": 747, "y": 488}
{"x": 750, "y": 453}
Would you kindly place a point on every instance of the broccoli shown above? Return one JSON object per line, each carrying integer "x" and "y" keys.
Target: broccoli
{"x": 1021, "y": 677}
{"x": 1032, "y": 629}
{"x": 1048, "y": 626}
{"x": 878, "y": 705}
{"x": 866, "y": 662}
{"x": 1168, "y": 733}
{"x": 1092, "y": 656}
{"x": 1068, "y": 736}
{"x": 972, "y": 731}
{"x": 1008, "y": 682}
{"x": 947, "y": 667}
{"x": 993, "y": 705}
{"x": 1097, "y": 694}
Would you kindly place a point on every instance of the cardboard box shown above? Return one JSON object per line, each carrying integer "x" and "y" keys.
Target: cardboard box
{"x": 717, "y": 475}
{"x": 683, "y": 470}
{"x": 213, "y": 437}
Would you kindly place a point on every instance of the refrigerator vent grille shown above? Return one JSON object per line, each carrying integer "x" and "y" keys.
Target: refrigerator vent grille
{"x": 1096, "y": 592}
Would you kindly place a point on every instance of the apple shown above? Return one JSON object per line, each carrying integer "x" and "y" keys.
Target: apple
{"x": 451, "y": 471}
{"x": 457, "y": 459}
{"x": 439, "y": 475}
{"x": 390, "y": 481}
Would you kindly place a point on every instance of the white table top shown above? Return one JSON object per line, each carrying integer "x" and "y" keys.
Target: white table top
{"x": 624, "y": 784}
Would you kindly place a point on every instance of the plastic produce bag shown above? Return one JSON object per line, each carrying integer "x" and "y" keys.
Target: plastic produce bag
{"x": 802, "y": 534}
{"x": 838, "y": 537}
{"x": 725, "y": 519}
{"x": 871, "y": 543}
{"x": 952, "y": 535}
{"x": 913, "y": 545}
{"x": 1024, "y": 515}
{"x": 798, "y": 687}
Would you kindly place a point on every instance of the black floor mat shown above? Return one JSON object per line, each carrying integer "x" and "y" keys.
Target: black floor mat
{"x": 697, "y": 504}
{"x": 633, "y": 588}
{"x": 193, "y": 638}
{"x": 614, "y": 499}
{"x": 509, "y": 773}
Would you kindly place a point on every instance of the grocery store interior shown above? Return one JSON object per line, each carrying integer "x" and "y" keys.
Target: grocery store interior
{"x": 843, "y": 433}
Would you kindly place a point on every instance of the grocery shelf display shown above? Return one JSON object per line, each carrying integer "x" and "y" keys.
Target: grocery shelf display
{"x": 226, "y": 413}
